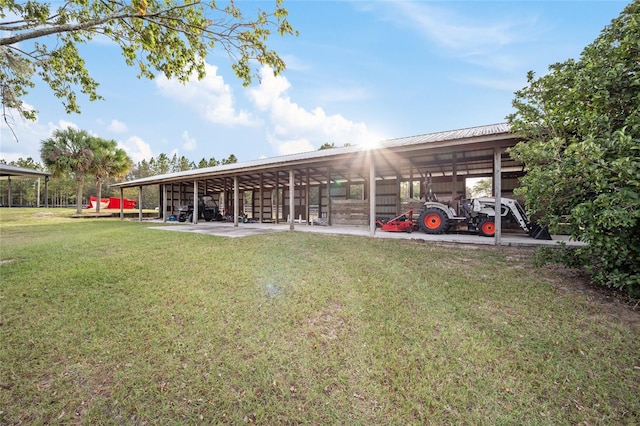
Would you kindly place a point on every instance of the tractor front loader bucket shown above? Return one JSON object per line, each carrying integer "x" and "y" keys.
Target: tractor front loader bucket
{"x": 538, "y": 232}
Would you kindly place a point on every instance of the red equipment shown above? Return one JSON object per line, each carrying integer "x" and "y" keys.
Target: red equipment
{"x": 402, "y": 223}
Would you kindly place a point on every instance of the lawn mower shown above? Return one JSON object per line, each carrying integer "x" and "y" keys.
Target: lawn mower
{"x": 401, "y": 223}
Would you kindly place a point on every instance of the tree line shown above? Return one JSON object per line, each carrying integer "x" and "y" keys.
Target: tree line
{"x": 83, "y": 166}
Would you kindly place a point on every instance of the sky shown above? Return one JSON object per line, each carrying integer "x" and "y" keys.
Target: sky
{"x": 359, "y": 72}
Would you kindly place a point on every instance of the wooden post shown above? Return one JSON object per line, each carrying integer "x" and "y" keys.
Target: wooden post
{"x": 121, "y": 203}
{"x": 328, "y": 196}
{"x": 372, "y": 196}
{"x": 277, "y": 203}
{"x": 292, "y": 210}
{"x": 398, "y": 195}
{"x": 164, "y": 203}
{"x": 454, "y": 178}
{"x": 497, "y": 184}
{"x": 261, "y": 197}
{"x": 194, "y": 220}
{"x": 140, "y": 204}
{"x": 410, "y": 180}
{"x": 236, "y": 201}
{"x": 46, "y": 191}
{"x": 306, "y": 199}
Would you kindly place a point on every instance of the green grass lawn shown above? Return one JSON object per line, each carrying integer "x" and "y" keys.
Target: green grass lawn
{"x": 105, "y": 321}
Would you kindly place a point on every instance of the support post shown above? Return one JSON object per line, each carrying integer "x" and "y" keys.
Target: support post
{"x": 497, "y": 185}
{"x": 328, "y": 196}
{"x": 292, "y": 210}
{"x": 372, "y": 196}
{"x": 46, "y": 191}
{"x": 140, "y": 204}
{"x": 194, "y": 219}
{"x": 454, "y": 178}
{"x": 277, "y": 201}
{"x": 306, "y": 199}
{"x": 121, "y": 203}
{"x": 38, "y": 194}
{"x": 236, "y": 201}
{"x": 261, "y": 198}
{"x": 164, "y": 203}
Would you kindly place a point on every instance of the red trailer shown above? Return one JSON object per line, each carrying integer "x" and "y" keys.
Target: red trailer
{"x": 112, "y": 203}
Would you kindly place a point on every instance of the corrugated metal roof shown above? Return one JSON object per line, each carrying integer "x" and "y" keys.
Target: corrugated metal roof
{"x": 7, "y": 170}
{"x": 495, "y": 131}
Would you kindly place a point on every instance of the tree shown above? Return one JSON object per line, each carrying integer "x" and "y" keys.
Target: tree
{"x": 69, "y": 151}
{"x": 108, "y": 161}
{"x": 231, "y": 159}
{"x": 181, "y": 164}
{"x": 327, "y": 145}
{"x": 160, "y": 165}
{"x": 171, "y": 37}
{"x": 481, "y": 188}
{"x": 580, "y": 126}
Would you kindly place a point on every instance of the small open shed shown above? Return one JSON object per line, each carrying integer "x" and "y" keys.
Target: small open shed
{"x": 8, "y": 172}
{"x": 352, "y": 185}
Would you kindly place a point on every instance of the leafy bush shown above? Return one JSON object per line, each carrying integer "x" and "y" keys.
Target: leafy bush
{"x": 580, "y": 126}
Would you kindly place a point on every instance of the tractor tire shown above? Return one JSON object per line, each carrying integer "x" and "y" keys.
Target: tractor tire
{"x": 487, "y": 227}
{"x": 433, "y": 221}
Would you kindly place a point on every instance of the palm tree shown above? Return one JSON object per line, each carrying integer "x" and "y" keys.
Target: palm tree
{"x": 109, "y": 161}
{"x": 69, "y": 151}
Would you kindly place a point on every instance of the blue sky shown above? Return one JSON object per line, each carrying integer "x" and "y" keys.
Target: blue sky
{"x": 359, "y": 72}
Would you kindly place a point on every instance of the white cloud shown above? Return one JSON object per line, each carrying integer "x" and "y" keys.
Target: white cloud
{"x": 117, "y": 126}
{"x": 188, "y": 143}
{"x": 451, "y": 30}
{"x": 293, "y": 129}
{"x": 136, "y": 148}
{"x": 209, "y": 97}
{"x": 61, "y": 125}
{"x": 28, "y": 137}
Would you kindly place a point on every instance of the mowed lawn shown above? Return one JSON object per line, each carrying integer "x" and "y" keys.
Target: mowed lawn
{"x": 109, "y": 322}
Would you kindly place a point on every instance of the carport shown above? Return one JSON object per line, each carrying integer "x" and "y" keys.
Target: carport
{"x": 7, "y": 172}
{"x": 281, "y": 188}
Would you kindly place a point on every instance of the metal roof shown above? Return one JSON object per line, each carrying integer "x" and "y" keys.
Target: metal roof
{"x": 393, "y": 157}
{"x": 7, "y": 171}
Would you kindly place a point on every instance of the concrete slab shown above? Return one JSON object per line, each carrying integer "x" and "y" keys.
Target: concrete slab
{"x": 222, "y": 229}
{"x": 227, "y": 229}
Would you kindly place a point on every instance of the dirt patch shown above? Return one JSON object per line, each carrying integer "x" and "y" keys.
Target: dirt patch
{"x": 568, "y": 280}
{"x": 612, "y": 301}
{"x": 327, "y": 324}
